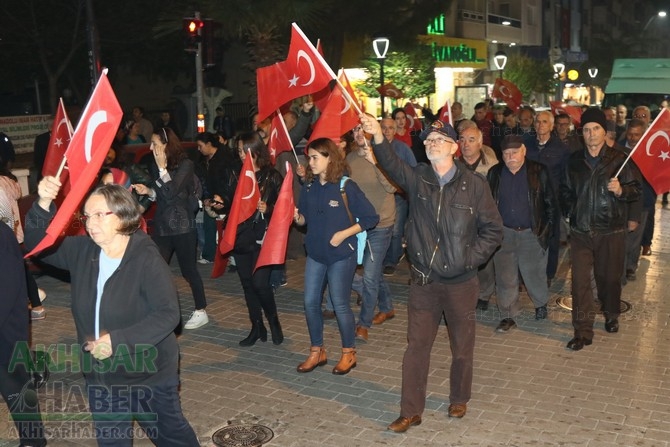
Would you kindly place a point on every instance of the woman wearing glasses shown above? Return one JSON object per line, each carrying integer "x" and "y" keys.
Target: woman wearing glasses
{"x": 125, "y": 309}
{"x": 174, "y": 222}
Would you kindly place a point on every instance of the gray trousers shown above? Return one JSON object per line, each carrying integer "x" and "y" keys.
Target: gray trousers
{"x": 520, "y": 252}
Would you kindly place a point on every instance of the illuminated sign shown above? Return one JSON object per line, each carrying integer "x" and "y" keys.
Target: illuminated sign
{"x": 573, "y": 75}
{"x": 436, "y": 26}
{"x": 456, "y": 52}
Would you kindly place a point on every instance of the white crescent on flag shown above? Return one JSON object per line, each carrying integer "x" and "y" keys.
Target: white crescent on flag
{"x": 347, "y": 106}
{"x": 506, "y": 93}
{"x": 410, "y": 119}
{"x": 253, "y": 184}
{"x": 96, "y": 120}
{"x": 273, "y": 135}
{"x": 650, "y": 143}
{"x": 312, "y": 73}
{"x": 393, "y": 93}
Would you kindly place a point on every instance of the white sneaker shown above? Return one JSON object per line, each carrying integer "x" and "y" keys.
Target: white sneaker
{"x": 204, "y": 261}
{"x": 42, "y": 294}
{"x": 197, "y": 319}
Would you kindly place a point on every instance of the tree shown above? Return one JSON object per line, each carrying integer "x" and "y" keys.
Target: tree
{"x": 411, "y": 71}
{"x": 530, "y": 75}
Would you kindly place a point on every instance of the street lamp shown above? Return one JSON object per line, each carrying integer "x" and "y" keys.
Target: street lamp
{"x": 500, "y": 59}
{"x": 381, "y": 47}
{"x": 559, "y": 68}
{"x": 660, "y": 14}
{"x": 593, "y": 72}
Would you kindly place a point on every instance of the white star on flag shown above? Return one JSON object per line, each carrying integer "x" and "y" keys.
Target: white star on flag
{"x": 58, "y": 142}
{"x": 664, "y": 155}
{"x": 293, "y": 81}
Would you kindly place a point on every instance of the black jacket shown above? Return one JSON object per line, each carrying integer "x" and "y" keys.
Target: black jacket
{"x": 13, "y": 307}
{"x": 139, "y": 306}
{"x": 174, "y": 200}
{"x": 222, "y": 171}
{"x": 541, "y": 198}
{"x": 584, "y": 195}
{"x": 452, "y": 229}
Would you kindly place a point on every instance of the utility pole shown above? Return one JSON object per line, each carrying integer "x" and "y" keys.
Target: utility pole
{"x": 198, "y": 80}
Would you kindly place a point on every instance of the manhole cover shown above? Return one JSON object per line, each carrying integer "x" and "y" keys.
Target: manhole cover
{"x": 566, "y": 303}
{"x": 242, "y": 436}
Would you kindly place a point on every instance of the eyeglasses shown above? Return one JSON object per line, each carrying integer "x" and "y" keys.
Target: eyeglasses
{"x": 428, "y": 141}
{"x": 94, "y": 217}
{"x": 638, "y": 116}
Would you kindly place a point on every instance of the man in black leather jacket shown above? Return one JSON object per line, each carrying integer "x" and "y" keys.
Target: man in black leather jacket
{"x": 524, "y": 193}
{"x": 595, "y": 196}
{"x": 453, "y": 228}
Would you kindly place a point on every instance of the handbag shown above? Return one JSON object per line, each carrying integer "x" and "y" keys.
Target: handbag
{"x": 363, "y": 235}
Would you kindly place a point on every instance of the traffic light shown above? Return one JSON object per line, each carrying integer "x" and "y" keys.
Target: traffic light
{"x": 192, "y": 33}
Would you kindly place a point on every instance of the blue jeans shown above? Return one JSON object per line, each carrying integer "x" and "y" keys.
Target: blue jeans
{"x": 156, "y": 408}
{"x": 394, "y": 251}
{"x": 375, "y": 288}
{"x": 339, "y": 276}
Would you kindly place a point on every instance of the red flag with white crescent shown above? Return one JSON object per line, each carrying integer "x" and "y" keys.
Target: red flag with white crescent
{"x": 273, "y": 250}
{"x": 414, "y": 123}
{"x": 574, "y": 112}
{"x": 508, "y": 92}
{"x": 245, "y": 203}
{"x": 61, "y": 134}
{"x": 445, "y": 115}
{"x": 303, "y": 72}
{"x": 85, "y": 154}
{"x": 390, "y": 91}
{"x": 652, "y": 153}
{"x": 339, "y": 115}
{"x": 280, "y": 141}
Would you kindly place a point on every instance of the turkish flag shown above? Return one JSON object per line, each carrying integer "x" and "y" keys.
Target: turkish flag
{"x": 60, "y": 138}
{"x": 575, "y": 113}
{"x": 507, "y": 92}
{"x": 413, "y": 120}
{"x": 280, "y": 141}
{"x": 302, "y": 73}
{"x": 85, "y": 154}
{"x": 245, "y": 203}
{"x": 273, "y": 250}
{"x": 220, "y": 260}
{"x": 445, "y": 115}
{"x": 652, "y": 153}
{"x": 390, "y": 91}
{"x": 339, "y": 115}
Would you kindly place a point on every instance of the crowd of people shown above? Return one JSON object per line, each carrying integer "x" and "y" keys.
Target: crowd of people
{"x": 479, "y": 207}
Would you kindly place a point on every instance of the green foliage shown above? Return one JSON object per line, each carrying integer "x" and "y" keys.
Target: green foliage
{"x": 411, "y": 71}
{"x": 530, "y": 75}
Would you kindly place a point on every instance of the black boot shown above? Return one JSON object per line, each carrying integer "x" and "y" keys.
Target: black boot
{"x": 257, "y": 331}
{"x": 275, "y": 328}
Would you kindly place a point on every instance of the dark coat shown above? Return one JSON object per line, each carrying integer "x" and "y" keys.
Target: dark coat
{"x": 542, "y": 198}
{"x": 139, "y": 306}
{"x": 14, "y": 312}
{"x": 452, "y": 229}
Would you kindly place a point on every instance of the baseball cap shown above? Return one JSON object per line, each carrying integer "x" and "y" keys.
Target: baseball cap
{"x": 511, "y": 142}
{"x": 439, "y": 127}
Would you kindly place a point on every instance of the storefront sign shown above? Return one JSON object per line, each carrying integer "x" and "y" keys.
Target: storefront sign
{"x": 23, "y": 129}
{"x": 456, "y": 52}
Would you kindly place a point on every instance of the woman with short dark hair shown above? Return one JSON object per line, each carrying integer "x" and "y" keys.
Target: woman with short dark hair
{"x": 125, "y": 309}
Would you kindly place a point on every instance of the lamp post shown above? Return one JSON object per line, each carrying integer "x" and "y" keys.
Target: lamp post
{"x": 381, "y": 47}
{"x": 593, "y": 72}
{"x": 500, "y": 59}
{"x": 559, "y": 68}
{"x": 660, "y": 14}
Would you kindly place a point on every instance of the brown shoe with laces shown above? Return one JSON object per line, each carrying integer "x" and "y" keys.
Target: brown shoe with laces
{"x": 457, "y": 410}
{"x": 383, "y": 316}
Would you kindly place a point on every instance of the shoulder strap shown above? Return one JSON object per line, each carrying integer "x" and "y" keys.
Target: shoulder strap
{"x": 343, "y": 181}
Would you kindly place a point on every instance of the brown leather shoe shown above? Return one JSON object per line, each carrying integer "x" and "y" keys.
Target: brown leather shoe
{"x": 402, "y": 424}
{"x": 457, "y": 410}
{"x": 646, "y": 250}
{"x": 347, "y": 361}
{"x": 362, "y": 332}
{"x": 383, "y": 316}
{"x": 317, "y": 357}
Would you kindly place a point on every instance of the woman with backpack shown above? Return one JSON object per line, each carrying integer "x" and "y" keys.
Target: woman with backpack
{"x": 334, "y": 212}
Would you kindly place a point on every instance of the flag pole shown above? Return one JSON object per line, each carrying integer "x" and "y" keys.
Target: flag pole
{"x": 283, "y": 124}
{"x": 61, "y": 167}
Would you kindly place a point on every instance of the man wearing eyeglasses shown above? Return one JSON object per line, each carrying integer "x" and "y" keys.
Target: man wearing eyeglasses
{"x": 642, "y": 113}
{"x": 453, "y": 228}
{"x": 596, "y": 200}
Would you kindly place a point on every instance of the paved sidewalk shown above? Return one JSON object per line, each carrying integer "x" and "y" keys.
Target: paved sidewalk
{"x": 529, "y": 390}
